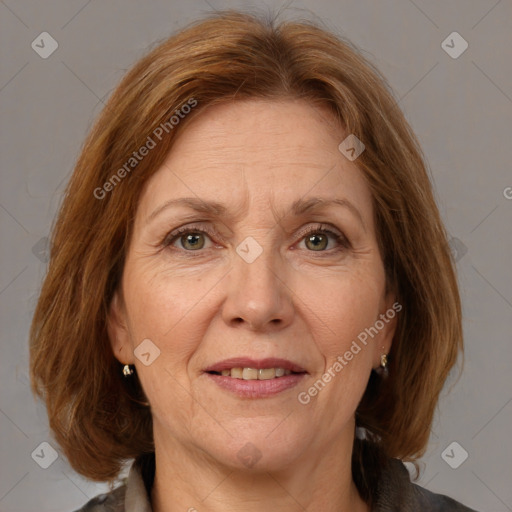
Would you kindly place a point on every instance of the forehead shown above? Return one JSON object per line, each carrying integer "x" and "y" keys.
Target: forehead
{"x": 266, "y": 152}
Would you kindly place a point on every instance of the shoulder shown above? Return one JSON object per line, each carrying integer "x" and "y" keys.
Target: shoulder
{"x": 437, "y": 502}
{"x": 396, "y": 493}
{"x": 109, "y": 502}
{"x": 132, "y": 495}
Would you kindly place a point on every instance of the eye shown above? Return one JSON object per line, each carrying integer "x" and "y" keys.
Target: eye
{"x": 316, "y": 239}
{"x": 189, "y": 238}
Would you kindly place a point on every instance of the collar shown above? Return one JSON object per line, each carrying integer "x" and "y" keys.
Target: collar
{"x": 139, "y": 483}
{"x": 395, "y": 492}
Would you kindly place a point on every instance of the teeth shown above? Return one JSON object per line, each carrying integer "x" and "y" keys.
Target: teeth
{"x": 249, "y": 374}
{"x": 237, "y": 373}
{"x": 255, "y": 374}
{"x": 266, "y": 373}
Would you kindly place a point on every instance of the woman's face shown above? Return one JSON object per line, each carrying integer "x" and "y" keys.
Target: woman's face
{"x": 278, "y": 270}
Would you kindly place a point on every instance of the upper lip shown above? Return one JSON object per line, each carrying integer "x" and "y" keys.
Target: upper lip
{"x": 246, "y": 362}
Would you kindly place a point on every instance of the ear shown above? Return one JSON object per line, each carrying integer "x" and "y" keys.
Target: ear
{"x": 387, "y": 318}
{"x": 118, "y": 332}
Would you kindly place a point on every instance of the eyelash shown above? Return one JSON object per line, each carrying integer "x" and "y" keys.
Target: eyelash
{"x": 339, "y": 238}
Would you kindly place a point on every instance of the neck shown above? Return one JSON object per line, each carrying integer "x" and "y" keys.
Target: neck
{"x": 191, "y": 481}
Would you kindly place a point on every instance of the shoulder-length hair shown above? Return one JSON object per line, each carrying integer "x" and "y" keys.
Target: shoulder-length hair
{"x": 96, "y": 415}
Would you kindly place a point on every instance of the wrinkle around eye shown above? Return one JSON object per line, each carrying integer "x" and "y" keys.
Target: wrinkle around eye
{"x": 294, "y": 235}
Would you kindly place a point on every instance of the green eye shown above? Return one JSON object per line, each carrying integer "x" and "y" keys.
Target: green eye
{"x": 317, "y": 242}
{"x": 316, "y": 239}
{"x": 192, "y": 241}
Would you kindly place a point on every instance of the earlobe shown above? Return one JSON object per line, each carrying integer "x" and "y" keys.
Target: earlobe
{"x": 389, "y": 330}
{"x": 389, "y": 322}
{"x": 118, "y": 332}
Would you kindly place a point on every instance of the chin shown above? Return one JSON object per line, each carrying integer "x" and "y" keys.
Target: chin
{"x": 262, "y": 449}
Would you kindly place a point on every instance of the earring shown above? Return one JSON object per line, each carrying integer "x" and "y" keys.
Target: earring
{"x": 383, "y": 370}
{"x": 127, "y": 370}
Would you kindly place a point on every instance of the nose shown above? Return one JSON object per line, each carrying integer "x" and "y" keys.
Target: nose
{"x": 258, "y": 296}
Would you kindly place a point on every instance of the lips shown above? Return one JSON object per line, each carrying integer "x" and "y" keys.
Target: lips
{"x": 251, "y": 378}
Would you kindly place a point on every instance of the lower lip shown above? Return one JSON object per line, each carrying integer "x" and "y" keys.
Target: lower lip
{"x": 257, "y": 388}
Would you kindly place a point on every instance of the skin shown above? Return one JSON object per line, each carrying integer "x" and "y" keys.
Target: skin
{"x": 201, "y": 306}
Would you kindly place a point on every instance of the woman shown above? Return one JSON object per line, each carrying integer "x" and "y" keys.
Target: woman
{"x": 250, "y": 291}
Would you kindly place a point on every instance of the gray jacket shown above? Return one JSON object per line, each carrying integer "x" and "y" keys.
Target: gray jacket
{"x": 396, "y": 493}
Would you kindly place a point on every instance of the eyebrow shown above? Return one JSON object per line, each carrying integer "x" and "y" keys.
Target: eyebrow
{"x": 302, "y": 206}
{"x": 212, "y": 208}
{"x": 216, "y": 209}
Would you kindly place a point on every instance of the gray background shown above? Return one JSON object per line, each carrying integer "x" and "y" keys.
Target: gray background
{"x": 461, "y": 110}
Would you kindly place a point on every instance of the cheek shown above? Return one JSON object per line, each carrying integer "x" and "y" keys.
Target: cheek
{"x": 341, "y": 309}
{"x": 173, "y": 310}
{"x": 160, "y": 303}
{"x": 166, "y": 309}
{"x": 338, "y": 316}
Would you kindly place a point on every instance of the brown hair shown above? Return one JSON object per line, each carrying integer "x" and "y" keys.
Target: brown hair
{"x": 96, "y": 415}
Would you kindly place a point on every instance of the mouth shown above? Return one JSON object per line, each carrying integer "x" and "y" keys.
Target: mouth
{"x": 249, "y": 378}
{"x": 254, "y": 373}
